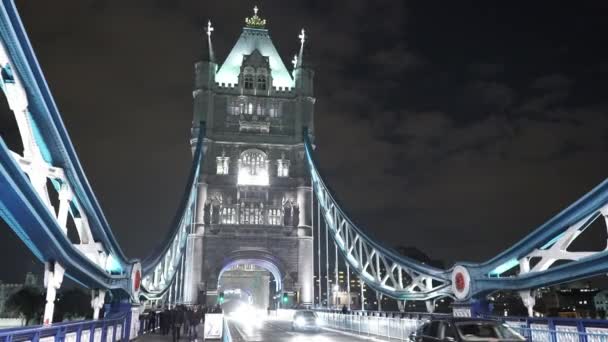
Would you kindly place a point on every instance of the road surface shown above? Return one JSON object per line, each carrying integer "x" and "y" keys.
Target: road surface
{"x": 280, "y": 331}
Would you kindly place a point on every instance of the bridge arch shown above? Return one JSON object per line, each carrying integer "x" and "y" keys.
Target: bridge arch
{"x": 259, "y": 257}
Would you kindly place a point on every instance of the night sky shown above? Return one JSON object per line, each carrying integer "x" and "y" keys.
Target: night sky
{"x": 453, "y": 126}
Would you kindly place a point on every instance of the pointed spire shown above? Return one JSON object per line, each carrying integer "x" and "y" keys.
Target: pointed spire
{"x": 300, "y": 58}
{"x": 294, "y": 61}
{"x": 210, "y": 29}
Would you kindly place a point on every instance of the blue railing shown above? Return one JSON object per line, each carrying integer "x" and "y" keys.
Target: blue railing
{"x": 107, "y": 330}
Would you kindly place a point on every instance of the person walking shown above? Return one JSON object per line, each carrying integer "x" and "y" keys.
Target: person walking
{"x": 164, "y": 322}
{"x": 177, "y": 320}
{"x": 152, "y": 321}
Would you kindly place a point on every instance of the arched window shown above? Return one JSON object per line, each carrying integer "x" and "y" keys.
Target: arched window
{"x": 222, "y": 164}
{"x": 248, "y": 82}
{"x": 261, "y": 82}
{"x": 248, "y": 78}
{"x": 250, "y": 108}
{"x": 253, "y": 168}
{"x": 262, "y": 76}
{"x": 283, "y": 167}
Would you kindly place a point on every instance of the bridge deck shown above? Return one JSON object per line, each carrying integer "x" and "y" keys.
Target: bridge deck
{"x": 271, "y": 331}
{"x": 279, "y": 330}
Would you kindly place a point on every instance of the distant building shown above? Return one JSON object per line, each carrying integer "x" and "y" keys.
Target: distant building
{"x": 6, "y": 290}
{"x": 600, "y": 301}
{"x": 572, "y": 300}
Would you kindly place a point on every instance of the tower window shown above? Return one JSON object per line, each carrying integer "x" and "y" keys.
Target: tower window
{"x": 222, "y": 165}
{"x": 251, "y": 213}
{"x": 274, "y": 110}
{"x": 248, "y": 82}
{"x": 283, "y": 167}
{"x": 228, "y": 216}
{"x": 261, "y": 82}
{"x": 274, "y": 217}
{"x": 253, "y": 168}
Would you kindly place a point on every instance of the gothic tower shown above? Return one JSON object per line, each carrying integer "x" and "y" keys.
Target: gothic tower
{"x": 254, "y": 202}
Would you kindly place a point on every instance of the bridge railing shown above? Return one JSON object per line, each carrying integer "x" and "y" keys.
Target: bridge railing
{"x": 107, "y": 330}
{"x": 401, "y": 325}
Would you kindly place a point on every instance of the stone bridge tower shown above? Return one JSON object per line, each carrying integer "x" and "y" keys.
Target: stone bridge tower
{"x": 254, "y": 202}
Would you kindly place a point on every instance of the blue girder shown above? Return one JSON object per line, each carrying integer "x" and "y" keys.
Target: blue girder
{"x": 53, "y": 136}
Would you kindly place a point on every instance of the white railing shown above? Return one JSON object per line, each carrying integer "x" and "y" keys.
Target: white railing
{"x": 402, "y": 328}
{"x": 393, "y": 328}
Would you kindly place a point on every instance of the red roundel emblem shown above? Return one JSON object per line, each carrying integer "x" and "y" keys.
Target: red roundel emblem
{"x": 137, "y": 280}
{"x": 459, "y": 280}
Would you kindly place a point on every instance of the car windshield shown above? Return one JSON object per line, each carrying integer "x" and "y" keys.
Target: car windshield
{"x": 477, "y": 331}
{"x": 305, "y": 314}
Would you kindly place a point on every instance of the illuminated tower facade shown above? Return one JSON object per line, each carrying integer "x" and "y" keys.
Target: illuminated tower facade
{"x": 254, "y": 204}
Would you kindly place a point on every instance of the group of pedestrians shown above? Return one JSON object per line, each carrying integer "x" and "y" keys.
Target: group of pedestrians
{"x": 180, "y": 321}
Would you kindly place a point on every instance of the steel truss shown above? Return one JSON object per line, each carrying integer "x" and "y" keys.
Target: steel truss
{"x": 540, "y": 259}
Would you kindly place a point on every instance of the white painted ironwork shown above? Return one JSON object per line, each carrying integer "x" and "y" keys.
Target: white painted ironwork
{"x": 45, "y": 177}
{"x": 377, "y": 268}
{"x": 167, "y": 271}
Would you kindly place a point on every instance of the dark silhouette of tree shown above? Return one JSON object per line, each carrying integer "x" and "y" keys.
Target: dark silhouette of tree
{"x": 29, "y": 302}
{"x": 73, "y": 303}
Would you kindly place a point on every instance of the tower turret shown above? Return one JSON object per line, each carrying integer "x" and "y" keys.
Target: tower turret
{"x": 204, "y": 81}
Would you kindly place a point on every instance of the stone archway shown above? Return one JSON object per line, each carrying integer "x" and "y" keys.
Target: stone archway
{"x": 260, "y": 268}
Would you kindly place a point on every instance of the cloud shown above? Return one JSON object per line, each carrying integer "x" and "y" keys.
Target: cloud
{"x": 552, "y": 82}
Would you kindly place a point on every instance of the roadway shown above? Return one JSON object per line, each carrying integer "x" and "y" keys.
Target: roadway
{"x": 280, "y": 331}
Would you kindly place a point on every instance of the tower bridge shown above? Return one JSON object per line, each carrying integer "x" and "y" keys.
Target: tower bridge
{"x": 254, "y": 208}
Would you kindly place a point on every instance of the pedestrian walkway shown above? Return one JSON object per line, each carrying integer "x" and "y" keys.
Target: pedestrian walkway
{"x": 155, "y": 338}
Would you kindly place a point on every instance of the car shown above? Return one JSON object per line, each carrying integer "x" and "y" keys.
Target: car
{"x": 465, "y": 329}
{"x": 306, "y": 320}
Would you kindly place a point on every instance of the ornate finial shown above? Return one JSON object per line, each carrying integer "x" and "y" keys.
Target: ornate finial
{"x": 295, "y": 61}
{"x": 302, "y": 36}
{"x": 255, "y": 21}
{"x": 209, "y": 28}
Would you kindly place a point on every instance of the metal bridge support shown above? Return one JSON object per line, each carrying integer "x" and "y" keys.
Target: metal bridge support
{"x": 362, "y": 287}
{"x": 379, "y": 299}
{"x": 430, "y": 305}
{"x": 98, "y": 297}
{"x": 529, "y": 300}
{"x": 53, "y": 277}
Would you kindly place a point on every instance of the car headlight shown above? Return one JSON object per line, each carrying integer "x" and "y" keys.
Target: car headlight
{"x": 300, "y": 321}
{"x": 319, "y": 321}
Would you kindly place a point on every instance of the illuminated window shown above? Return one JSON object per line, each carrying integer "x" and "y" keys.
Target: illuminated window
{"x": 235, "y": 108}
{"x": 222, "y": 165}
{"x": 283, "y": 167}
{"x": 253, "y": 168}
{"x": 228, "y": 216}
{"x": 250, "y": 108}
{"x": 274, "y": 217}
{"x": 260, "y": 111}
{"x": 274, "y": 110}
{"x": 251, "y": 214}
